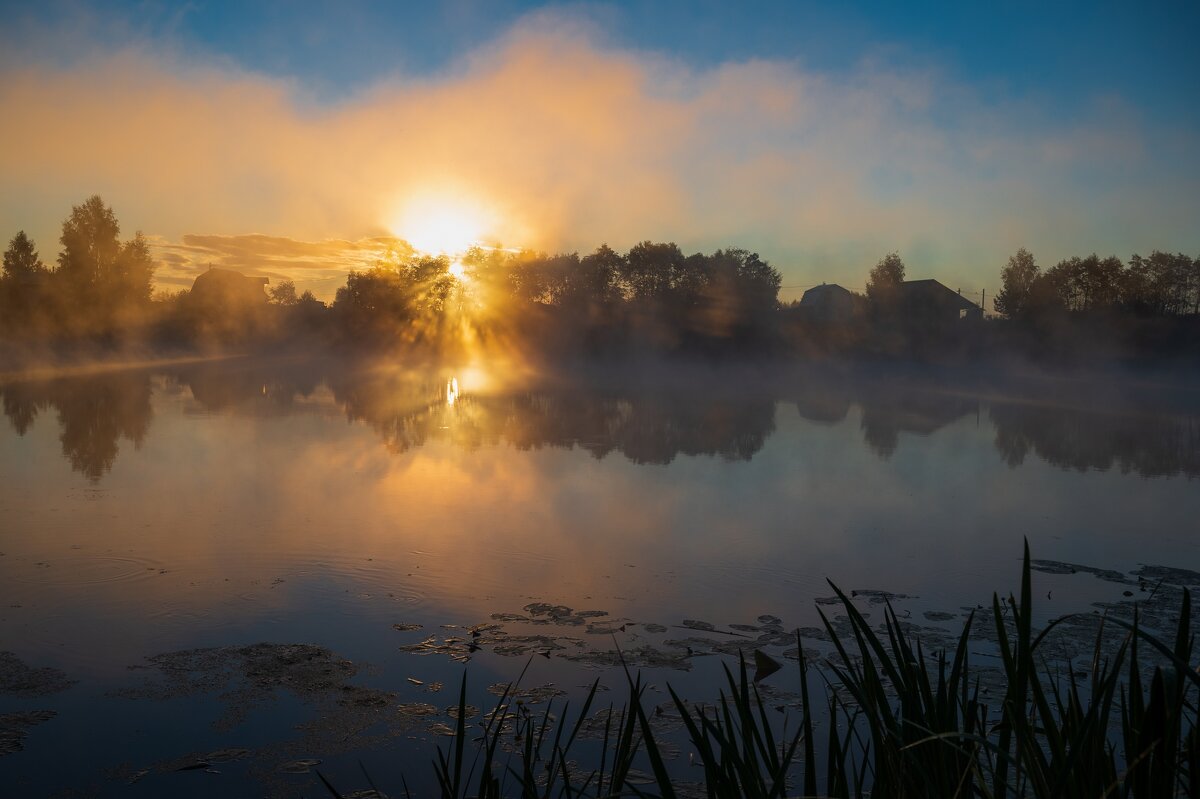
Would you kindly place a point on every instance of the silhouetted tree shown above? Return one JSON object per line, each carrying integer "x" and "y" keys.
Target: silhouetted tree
{"x": 739, "y": 293}
{"x": 22, "y": 285}
{"x": 1162, "y": 284}
{"x": 403, "y": 300}
{"x": 21, "y": 261}
{"x": 649, "y": 270}
{"x": 1018, "y": 278}
{"x": 284, "y": 293}
{"x": 598, "y": 281}
{"x": 98, "y": 273}
{"x": 1089, "y": 283}
{"x": 135, "y": 271}
{"x": 90, "y": 244}
{"x": 884, "y": 281}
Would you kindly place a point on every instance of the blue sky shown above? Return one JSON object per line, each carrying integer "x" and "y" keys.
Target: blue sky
{"x": 1060, "y": 51}
{"x": 1069, "y": 127}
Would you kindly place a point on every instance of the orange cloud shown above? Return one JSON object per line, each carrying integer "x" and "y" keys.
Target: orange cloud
{"x": 569, "y": 143}
{"x": 318, "y": 266}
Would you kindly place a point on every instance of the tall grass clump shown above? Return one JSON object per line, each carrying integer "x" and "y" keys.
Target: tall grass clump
{"x": 897, "y": 722}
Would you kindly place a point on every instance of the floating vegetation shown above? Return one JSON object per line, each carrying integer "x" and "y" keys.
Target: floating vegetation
{"x": 470, "y": 710}
{"x": 14, "y": 727}
{"x": 898, "y": 719}
{"x": 1168, "y": 574}
{"x": 543, "y": 613}
{"x": 19, "y": 679}
{"x": 939, "y": 615}
{"x": 1058, "y": 567}
{"x": 511, "y": 617}
{"x": 698, "y": 625}
{"x": 405, "y": 628}
{"x": 644, "y": 656}
{"x": 412, "y": 713}
{"x": 530, "y": 696}
{"x": 875, "y": 597}
{"x": 344, "y": 717}
{"x": 197, "y": 761}
{"x": 302, "y": 766}
{"x": 250, "y": 675}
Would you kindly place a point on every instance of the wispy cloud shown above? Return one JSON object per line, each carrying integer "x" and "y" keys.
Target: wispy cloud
{"x": 570, "y": 142}
{"x": 318, "y": 266}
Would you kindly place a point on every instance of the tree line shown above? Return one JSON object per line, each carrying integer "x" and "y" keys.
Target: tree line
{"x": 652, "y": 293}
{"x": 652, "y": 297}
{"x": 651, "y": 423}
{"x": 99, "y": 284}
{"x": 1161, "y": 284}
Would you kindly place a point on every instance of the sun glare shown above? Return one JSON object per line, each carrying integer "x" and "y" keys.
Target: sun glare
{"x": 442, "y": 225}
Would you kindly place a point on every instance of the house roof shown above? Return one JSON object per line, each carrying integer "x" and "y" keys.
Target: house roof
{"x": 825, "y": 294}
{"x": 931, "y": 290}
{"x": 229, "y": 276}
{"x": 825, "y": 288}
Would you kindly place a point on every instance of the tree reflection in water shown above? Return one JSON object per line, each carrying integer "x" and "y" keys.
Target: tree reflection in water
{"x": 647, "y": 422}
{"x": 94, "y": 413}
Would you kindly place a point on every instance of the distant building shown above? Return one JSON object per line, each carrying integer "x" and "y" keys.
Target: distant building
{"x": 930, "y": 301}
{"x": 224, "y": 288}
{"x": 829, "y": 302}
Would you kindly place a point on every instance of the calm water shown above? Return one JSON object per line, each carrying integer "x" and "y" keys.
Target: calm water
{"x": 232, "y": 503}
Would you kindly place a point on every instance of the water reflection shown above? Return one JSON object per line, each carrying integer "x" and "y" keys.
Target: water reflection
{"x": 94, "y": 413}
{"x": 645, "y": 422}
{"x": 645, "y": 426}
{"x": 1144, "y": 442}
{"x": 922, "y": 413}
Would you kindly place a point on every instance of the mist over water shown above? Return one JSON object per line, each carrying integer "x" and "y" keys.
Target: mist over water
{"x": 243, "y": 501}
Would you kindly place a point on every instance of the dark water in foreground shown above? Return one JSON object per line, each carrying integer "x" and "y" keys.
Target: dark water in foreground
{"x": 227, "y": 504}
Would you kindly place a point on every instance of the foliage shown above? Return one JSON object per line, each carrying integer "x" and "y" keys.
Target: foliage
{"x": 1018, "y": 278}
{"x": 284, "y": 293}
{"x": 1162, "y": 284}
{"x": 90, "y": 244}
{"x": 21, "y": 261}
{"x": 884, "y": 280}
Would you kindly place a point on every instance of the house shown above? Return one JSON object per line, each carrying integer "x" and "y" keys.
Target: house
{"x": 223, "y": 288}
{"x": 829, "y": 302}
{"x": 930, "y": 301}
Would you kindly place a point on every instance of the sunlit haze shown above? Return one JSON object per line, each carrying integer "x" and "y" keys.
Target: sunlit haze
{"x": 592, "y": 399}
{"x": 821, "y": 138}
{"x": 442, "y": 224}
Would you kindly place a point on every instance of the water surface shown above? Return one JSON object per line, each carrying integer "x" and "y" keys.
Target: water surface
{"x": 226, "y": 504}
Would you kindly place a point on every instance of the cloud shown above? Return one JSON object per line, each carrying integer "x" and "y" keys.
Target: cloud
{"x": 317, "y": 266}
{"x": 569, "y": 142}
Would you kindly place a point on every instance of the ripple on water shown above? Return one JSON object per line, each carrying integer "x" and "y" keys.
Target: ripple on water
{"x": 67, "y": 571}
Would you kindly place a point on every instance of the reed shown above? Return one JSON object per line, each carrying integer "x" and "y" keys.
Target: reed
{"x": 900, "y": 722}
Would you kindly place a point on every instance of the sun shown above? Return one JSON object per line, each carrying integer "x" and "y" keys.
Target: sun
{"x": 442, "y": 224}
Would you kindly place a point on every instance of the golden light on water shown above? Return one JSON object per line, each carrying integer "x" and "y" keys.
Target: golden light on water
{"x": 452, "y": 391}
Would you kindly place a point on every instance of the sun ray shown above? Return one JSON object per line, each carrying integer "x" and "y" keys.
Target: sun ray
{"x": 442, "y": 224}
